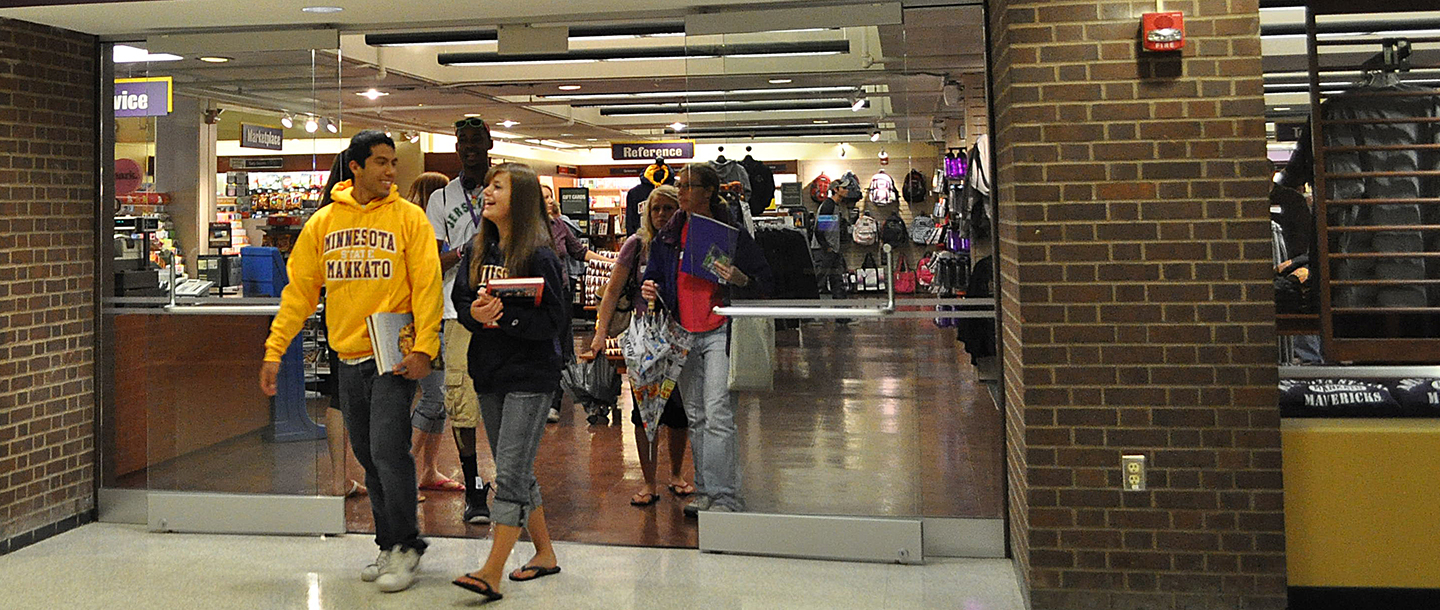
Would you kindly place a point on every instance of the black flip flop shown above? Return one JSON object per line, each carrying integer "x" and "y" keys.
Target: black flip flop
{"x": 653, "y": 499}
{"x": 536, "y": 572}
{"x": 475, "y": 585}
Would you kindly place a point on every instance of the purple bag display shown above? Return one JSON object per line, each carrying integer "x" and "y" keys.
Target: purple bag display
{"x": 955, "y": 165}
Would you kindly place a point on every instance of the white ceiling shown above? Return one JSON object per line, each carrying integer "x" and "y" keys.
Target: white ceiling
{"x": 901, "y": 67}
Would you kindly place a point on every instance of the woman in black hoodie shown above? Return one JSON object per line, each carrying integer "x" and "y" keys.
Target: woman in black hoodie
{"x": 514, "y": 360}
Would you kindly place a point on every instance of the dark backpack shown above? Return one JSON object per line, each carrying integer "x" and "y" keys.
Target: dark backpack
{"x": 894, "y": 231}
{"x": 916, "y": 189}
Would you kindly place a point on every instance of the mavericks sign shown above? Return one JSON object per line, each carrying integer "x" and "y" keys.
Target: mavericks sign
{"x": 635, "y": 151}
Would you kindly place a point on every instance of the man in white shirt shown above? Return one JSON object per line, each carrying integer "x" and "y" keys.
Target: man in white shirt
{"x": 454, "y": 212}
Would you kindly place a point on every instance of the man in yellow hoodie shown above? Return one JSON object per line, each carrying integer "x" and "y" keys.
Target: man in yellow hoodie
{"x": 373, "y": 252}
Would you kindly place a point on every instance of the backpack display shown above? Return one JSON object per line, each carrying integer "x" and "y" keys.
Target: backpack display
{"x": 882, "y": 189}
{"x": 925, "y": 231}
{"x": 819, "y": 188}
{"x": 894, "y": 231}
{"x": 852, "y": 185}
{"x": 916, "y": 190}
{"x": 955, "y": 164}
{"x": 865, "y": 231}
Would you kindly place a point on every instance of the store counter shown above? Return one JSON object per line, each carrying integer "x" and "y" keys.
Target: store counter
{"x": 187, "y": 378}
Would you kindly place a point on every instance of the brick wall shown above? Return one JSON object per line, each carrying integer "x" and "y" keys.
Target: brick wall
{"x": 47, "y": 279}
{"x": 1137, "y": 311}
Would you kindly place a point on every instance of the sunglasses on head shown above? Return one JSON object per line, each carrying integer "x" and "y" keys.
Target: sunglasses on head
{"x": 473, "y": 121}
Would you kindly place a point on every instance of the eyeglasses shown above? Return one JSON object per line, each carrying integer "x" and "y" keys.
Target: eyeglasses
{"x": 685, "y": 186}
{"x": 473, "y": 121}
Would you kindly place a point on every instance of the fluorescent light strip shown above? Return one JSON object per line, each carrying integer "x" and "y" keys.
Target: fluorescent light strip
{"x": 690, "y": 94}
{"x": 581, "y": 32}
{"x": 767, "y": 49}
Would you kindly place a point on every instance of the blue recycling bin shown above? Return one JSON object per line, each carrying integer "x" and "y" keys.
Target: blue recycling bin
{"x": 262, "y": 274}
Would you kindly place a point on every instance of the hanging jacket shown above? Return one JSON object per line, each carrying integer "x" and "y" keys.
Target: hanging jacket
{"x": 732, "y": 171}
{"x": 762, "y": 184}
{"x": 634, "y": 198}
{"x": 379, "y": 257}
{"x": 1362, "y": 104}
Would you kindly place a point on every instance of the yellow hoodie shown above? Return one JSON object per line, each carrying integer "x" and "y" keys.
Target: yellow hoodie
{"x": 373, "y": 258}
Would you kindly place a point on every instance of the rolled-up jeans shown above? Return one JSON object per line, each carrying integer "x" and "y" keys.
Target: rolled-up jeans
{"x": 705, "y": 384}
{"x": 514, "y": 423}
{"x": 377, "y": 412}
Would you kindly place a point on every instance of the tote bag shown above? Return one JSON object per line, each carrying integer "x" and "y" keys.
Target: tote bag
{"x": 752, "y": 354}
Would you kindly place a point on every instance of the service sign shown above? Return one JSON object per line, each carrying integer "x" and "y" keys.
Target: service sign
{"x": 255, "y": 136}
{"x": 639, "y": 151}
{"x": 140, "y": 97}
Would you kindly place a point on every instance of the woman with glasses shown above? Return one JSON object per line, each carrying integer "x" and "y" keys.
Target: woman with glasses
{"x": 691, "y": 299}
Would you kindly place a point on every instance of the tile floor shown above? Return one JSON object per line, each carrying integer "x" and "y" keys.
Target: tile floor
{"x": 123, "y": 566}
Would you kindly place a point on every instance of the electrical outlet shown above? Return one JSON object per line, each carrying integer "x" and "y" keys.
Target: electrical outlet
{"x": 1132, "y": 472}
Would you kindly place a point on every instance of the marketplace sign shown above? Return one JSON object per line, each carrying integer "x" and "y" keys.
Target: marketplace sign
{"x": 632, "y": 151}
{"x": 139, "y": 97}
{"x": 255, "y": 136}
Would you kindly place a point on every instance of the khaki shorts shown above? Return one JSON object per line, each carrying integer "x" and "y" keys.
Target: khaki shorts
{"x": 461, "y": 403}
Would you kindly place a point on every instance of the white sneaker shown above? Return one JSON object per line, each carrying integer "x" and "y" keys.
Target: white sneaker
{"x": 399, "y": 571}
{"x": 372, "y": 571}
{"x": 554, "y": 416}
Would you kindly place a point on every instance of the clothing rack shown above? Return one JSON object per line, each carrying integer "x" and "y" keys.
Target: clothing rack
{"x": 1373, "y": 307}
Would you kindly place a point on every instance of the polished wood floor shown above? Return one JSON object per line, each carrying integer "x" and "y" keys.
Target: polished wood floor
{"x": 878, "y": 418}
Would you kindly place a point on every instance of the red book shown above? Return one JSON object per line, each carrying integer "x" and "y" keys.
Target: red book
{"x": 525, "y": 289}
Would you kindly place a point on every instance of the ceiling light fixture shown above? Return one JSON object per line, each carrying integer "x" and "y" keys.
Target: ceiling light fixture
{"x": 332, "y": 126}
{"x": 372, "y": 93}
{"x": 950, "y": 92}
{"x": 287, "y": 120}
{"x": 507, "y": 123}
{"x": 413, "y": 137}
{"x": 311, "y": 125}
{"x": 858, "y": 102}
{"x": 781, "y": 81}
{"x": 677, "y": 126}
{"x": 563, "y": 135}
{"x": 569, "y": 87}
{"x": 471, "y": 115}
{"x": 766, "y": 49}
{"x": 323, "y": 10}
{"x": 125, "y": 54}
{"x": 875, "y": 137}
{"x": 214, "y": 59}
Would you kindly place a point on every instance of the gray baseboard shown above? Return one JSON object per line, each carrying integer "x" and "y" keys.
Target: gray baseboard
{"x": 954, "y": 537}
{"x": 815, "y": 537}
{"x": 215, "y": 513}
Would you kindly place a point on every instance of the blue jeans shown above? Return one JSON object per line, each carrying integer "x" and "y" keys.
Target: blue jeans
{"x": 514, "y": 423}
{"x": 429, "y": 415}
{"x": 714, "y": 444}
{"x": 377, "y": 412}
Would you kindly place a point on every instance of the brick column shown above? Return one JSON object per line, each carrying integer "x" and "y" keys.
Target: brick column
{"x": 47, "y": 279}
{"x": 1134, "y": 252}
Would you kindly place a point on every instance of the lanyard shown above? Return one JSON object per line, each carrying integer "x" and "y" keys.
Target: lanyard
{"x": 470, "y": 204}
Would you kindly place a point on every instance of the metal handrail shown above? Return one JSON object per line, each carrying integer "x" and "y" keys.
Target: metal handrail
{"x": 825, "y": 312}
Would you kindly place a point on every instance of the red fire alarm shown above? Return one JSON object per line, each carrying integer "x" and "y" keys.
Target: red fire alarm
{"x": 1164, "y": 31}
